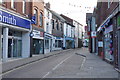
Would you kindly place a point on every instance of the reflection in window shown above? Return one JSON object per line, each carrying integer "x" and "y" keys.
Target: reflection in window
{"x": 41, "y": 19}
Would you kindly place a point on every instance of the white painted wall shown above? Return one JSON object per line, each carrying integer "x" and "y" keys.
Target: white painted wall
{"x": 47, "y": 20}
{"x": 5, "y": 43}
{"x": 25, "y": 44}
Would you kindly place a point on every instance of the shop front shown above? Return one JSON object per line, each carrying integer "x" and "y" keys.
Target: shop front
{"x": 69, "y": 43}
{"x": 38, "y": 42}
{"x": 14, "y": 38}
{"x": 108, "y": 42}
{"x": 57, "y": 43}
{"x": 48, "y": 43}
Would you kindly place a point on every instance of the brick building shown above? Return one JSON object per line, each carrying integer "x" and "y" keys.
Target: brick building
{"x": 37, "y": 41}
{"x": 108, "y": 20}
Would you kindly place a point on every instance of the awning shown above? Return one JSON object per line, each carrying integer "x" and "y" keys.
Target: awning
{"x": 104, "y": 23}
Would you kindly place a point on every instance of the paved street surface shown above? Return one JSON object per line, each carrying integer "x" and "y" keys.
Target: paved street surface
{"x": 69, "y": 64}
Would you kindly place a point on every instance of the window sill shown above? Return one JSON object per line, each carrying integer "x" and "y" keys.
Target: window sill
{"x": 13, "y": 9}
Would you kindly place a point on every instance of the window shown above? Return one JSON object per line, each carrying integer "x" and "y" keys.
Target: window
{"x": 59, "y": 43}
{"x": 47, "y": 27}
{"x": 24, "y": 6}
{"x": 53, "y": 23}
{"x": 56, "y": 43}
{"x": 35, "y": 15}
{"x": 118, "y": 21}
{"x": 57, "y": 25}
{"x": 48, "y": 15}
{"x": 61, "y": 27}
{"x": 41, "y": 19}
{"x": 2, "y": 1}
{"x": 47, "y": 44}
{"x": 13, "y": 4}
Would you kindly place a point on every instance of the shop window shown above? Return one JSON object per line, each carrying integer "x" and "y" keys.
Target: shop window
{"x": 47, "y": 44}
{"x": 59, "y": 43}
{"x": 41, "y": 19}
{"x": 35, "y": 15}
{"x": 56, "y": 43}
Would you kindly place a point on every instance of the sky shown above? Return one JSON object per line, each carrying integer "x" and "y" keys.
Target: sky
{"x": 75, "y": 9}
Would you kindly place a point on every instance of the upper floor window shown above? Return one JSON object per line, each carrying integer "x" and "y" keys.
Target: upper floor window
{"x": 13, "y": 4}
{"x": 48, "y": 15}
{"x": 53, "y": 24}
{"x": 2, "y": 1}
{"x": 24, "y": 6}
{"x": 57, "y": 25}
{"x": 35, "y": 15}
{"x": 61, "y": 27}
{"x": 41, "y": 19}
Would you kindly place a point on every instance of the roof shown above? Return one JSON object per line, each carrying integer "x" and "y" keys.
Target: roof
{"x": 57, "y": 15}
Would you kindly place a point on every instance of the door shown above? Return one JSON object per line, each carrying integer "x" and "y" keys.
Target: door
{"x": 50, "y": 45}
{"x": 14, "y": 47}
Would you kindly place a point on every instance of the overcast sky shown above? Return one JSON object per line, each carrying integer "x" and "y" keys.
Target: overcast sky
{"x": 75, "y": 9}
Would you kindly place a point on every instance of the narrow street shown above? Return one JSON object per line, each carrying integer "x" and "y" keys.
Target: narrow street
{"x": 74, "y": 63}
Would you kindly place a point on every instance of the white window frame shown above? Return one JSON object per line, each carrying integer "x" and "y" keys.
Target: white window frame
{"x": 12, "y": 4}
{"x": 24, "y": 6}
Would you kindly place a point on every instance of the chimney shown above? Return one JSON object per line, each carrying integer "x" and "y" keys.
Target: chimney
{"x": 48, "y": 5}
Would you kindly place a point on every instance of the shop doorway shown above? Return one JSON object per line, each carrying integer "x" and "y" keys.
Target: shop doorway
{"x": 14, "y": 47}
{"x": 50, "y": 45}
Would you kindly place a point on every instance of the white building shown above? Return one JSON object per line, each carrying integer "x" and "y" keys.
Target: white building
{"x": 78, "y": 34}
{"x": 48, "y": 41}
{"x": 69, "y": 35}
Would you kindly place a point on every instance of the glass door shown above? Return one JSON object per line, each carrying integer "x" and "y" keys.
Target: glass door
{"x": 14, "y": 47}
{"x": 10, "y": 48}
{"x": 17, "y": 47}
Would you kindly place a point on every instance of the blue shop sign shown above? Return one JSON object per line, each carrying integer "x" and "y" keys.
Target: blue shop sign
{"x": 14, "y": 20}
{"x": 68, "y": 38}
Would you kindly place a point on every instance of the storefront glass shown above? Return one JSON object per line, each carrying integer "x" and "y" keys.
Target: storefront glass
{"x": 108, "y": 47}
{"x": 37, "y": 46}
{"x": 14, "y": 44}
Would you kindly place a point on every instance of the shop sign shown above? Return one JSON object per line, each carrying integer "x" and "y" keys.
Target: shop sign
{"x": 36, "y": 34}
{"x": 108, "y": 29}
{"x": 100, "y": 44}
{"x": 93, "y": 34}
{"x": 14, "y": 20}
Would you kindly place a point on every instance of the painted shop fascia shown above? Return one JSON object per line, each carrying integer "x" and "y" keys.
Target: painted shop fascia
{"x": 13, "y": 19}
